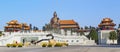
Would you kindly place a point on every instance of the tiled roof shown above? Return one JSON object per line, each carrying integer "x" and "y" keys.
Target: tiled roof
{"x": 69, "y": 26}
{"x": 67, "y": 22}
{"x": 13, "y": 22}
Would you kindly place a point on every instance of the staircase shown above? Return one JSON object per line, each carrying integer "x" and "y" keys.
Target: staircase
{"x": 6, "y": 39}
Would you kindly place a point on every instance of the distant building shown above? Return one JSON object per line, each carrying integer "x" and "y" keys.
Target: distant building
{"x": 63, "y": 25}
{"x": 58, "y": 28}
{"x": 15, "y": 26}
{"x": 106, "y": 26}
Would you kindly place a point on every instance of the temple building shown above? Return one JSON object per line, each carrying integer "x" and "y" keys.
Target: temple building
{"x": 68, "y": 24}
{"x": 15, "y": 26}
{"x": 63, "y": 25}
{"x": 25, "y": 27}
{"x": 106, "y": 26}
{"x": 63, "y": 31}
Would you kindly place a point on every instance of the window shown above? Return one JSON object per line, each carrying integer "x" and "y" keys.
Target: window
{"x": 72, "y": 41}
{"x": 77, "y": 40}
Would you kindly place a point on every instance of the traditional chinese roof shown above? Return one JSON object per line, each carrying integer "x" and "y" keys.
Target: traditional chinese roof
{"x": 12, "y": 26}
{"x": 69, "y": 26}
{"x": 67, "y": 22}
{"x": 57, "y": 23}
{"x": 106, "y": 19}
{"x": 15, "y": 24}
{"x": 106, "y": 22}
{"x": 12, "y": 22}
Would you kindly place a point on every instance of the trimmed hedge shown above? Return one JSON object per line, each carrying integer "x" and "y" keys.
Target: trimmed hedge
{"x": 58, "y": 45}
{"x": 20, "y": 45}
{"x": 44, "y": 45}
{"x": 14, "y": 45}
{"x": 8, "y": 45}
{"x": 50, "y": 45}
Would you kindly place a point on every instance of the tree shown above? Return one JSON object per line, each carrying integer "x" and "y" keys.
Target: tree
{"x": 118, "y": 33}
{"x": 34, "y": 28}
{"x": 93, "y": 35}
{"x": 90, "y": 27}
{"x": 1, "y": 33}
{"x": 30, "y": 26}
{"x": 86, "y": 27}
{"x": 119, "y": 26}
{"x": 97, "y": 28}
{"x": 48, "y": 27}
{"x": 81, "y": 28}
{"x": 113, "y": 36}
{"x": 43, "y": 28}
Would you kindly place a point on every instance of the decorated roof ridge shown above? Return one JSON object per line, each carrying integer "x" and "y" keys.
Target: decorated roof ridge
{"x": 107, "y": 19}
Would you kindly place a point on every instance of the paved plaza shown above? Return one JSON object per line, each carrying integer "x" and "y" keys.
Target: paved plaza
{"x": 61, "y": 49}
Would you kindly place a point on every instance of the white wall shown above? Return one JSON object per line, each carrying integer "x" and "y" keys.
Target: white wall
{"x": 72, "y": 40}
{"x": 103, "y": 36}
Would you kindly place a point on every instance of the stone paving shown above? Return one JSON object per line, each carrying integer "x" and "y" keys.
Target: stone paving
{"x": 61, "y": 49}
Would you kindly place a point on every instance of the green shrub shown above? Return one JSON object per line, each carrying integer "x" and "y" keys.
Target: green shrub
{"x": 8, "y": 45}
{"x": 58, "y": 45}
{"x": 50, "y": 45}
{"x": 14, "y": 45}
{"x": 44, "y": 45}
